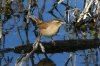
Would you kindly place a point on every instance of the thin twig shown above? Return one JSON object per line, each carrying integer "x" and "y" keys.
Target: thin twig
{"x": 74, "y": 60}
{"x": 18, "y": 31}
{"x": 85, "y": 11}
{"x": 1, "y": 34}
{"x": 42, "y": 10}
{"x": 35, "y": 46}
{"x": 32, "y": 60}
{"x": 27, "y": 23}
{"x": 85, "y": 58}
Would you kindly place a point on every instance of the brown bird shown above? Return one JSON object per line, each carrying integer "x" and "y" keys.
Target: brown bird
{"x": 49, "y": 28}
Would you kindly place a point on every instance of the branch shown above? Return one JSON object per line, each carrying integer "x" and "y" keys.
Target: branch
{"x": 98, "y": 9}
{"x": 61, "y": 46}
{"x": 85, "y": 11}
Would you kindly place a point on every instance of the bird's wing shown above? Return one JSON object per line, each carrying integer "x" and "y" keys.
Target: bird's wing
{"x": 42, "y": 25}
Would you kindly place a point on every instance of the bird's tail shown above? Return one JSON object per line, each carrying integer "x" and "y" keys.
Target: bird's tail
{"x": 35, "y": 19}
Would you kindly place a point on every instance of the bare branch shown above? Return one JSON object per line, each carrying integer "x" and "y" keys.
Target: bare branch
{"x": 85, "y": 11}
{"x": 60, "y": 46}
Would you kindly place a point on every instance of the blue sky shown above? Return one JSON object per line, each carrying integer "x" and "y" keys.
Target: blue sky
{"x": 12, "y": 39}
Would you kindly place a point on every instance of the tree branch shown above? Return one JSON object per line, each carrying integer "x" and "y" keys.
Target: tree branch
{"x": 61, "y": 46}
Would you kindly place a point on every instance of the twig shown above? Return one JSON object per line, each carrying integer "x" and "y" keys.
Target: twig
{"x": 18, "y": 31}
{"x": 91, "y": 55}
{"x": 27, "y": 55}
{"x": 85, "y": 11}
{"x": 29, "y": 7}
{"x": 85, "y": 58}
{"x": 59, "y": 12}
{"x": 1, "y": 34}
{"x": 52, "y": 13}
{"x": 27, "y": 23}
{"x": 35, "y": 46}
{"x": 97, "y": 57}
{"x": 71, "y": 59}
{"x": 32, "y": 60}
{"x": 67, "y": 61}
{"x": 74, "y": 60}
{"x": 42, "y": 10}
{"x": 35, "y": 19}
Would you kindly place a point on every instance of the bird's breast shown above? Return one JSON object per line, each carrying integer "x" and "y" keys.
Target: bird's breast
{"x": 49, "y": 31}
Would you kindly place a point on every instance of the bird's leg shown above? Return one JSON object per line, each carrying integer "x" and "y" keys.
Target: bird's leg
{"x": 53, "y": 42}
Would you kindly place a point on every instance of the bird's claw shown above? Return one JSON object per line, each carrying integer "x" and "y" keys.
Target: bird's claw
{"x": 53, "y": 42}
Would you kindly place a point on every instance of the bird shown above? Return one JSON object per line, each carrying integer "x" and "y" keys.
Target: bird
{"x": 48, "y": 28}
